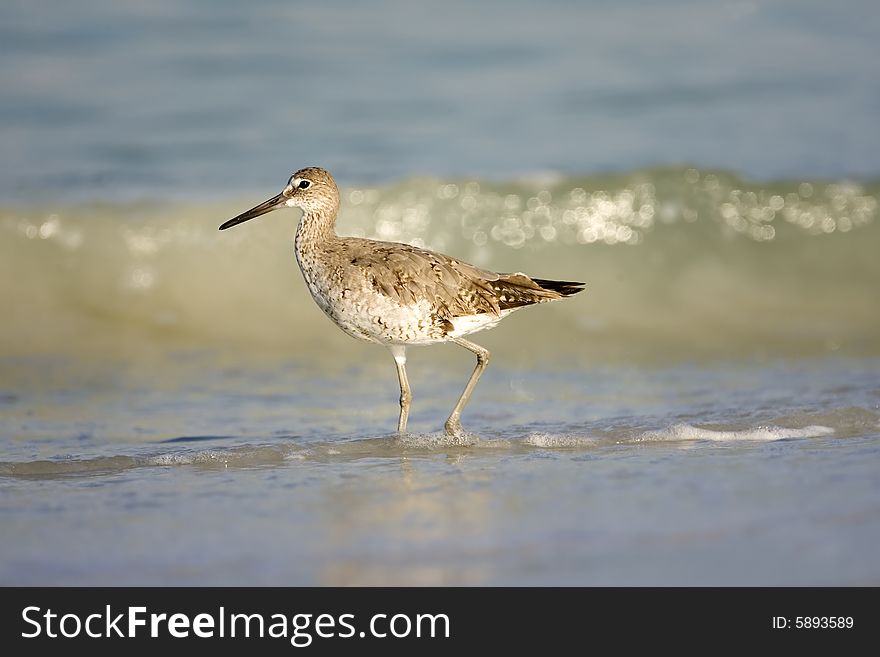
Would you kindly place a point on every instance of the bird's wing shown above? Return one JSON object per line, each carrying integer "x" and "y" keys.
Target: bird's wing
{"x": 408, "y": 274}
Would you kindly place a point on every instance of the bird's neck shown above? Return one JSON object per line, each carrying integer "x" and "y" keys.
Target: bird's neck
{"x": 315, "y": 229}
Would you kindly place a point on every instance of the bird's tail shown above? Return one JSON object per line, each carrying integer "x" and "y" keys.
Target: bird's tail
{"x": 510, "y": 291}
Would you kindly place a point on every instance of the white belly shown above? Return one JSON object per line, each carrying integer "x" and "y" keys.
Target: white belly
{"x": 468, "y": 324}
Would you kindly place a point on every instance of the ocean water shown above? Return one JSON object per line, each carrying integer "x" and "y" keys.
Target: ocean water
{"x": 174, "y": 409}
{"x": 103, "y": 99}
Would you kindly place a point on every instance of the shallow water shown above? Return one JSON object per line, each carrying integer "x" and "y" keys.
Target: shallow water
{"x": 734, "y": 473}
{"x": 175, "y": 410}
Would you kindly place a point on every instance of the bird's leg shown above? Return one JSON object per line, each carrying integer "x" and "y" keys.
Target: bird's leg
{"x": 453, "y": 424}
{"x": 399, "y": 353}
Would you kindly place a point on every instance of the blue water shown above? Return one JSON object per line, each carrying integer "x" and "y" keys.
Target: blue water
{"x": 177, "y": 97}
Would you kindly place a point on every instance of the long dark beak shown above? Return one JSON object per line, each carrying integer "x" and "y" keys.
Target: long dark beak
{"x": 273, "y": 203}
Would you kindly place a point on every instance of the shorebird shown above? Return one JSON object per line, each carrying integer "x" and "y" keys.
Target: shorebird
{"x": 395, "y": 294}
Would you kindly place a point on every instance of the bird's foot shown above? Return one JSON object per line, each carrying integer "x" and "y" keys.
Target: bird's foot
{"x": 453, "y": 427}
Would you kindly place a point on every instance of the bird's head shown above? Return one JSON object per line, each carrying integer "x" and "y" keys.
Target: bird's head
{"x": 311, "y": 189}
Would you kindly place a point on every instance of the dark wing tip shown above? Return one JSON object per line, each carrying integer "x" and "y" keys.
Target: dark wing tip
{"x": 565, "y": 288}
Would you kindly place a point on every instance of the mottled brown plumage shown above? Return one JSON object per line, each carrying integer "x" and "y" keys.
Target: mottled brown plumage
{"x": 407, "y": 274}
{"x": 396, "y": 294}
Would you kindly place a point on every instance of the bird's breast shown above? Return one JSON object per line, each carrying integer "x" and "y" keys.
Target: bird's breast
{"x": 347, "y": 296}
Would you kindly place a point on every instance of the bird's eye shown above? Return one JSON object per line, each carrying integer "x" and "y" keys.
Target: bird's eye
{"x": 304, "y": 184}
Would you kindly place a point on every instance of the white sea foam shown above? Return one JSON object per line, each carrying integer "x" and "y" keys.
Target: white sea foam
{"x": 242, "y": 456}
{"x": 188, "y": 458}
{"x": 770, "y": 433}
{"x": 551, "y": 441}
{"x": 435, "y": 440}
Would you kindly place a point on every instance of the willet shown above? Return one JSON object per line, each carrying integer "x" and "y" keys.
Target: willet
{"x": 395, "y": 294}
